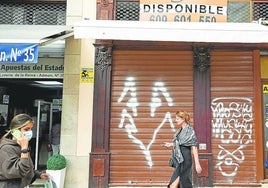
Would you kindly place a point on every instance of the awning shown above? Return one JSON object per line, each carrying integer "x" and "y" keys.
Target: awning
{"x": 172, "y": 31}
{"x": 38, "y": 34}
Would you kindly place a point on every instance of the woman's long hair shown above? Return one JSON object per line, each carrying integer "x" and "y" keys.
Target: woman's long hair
{"x": 18, "y": 122}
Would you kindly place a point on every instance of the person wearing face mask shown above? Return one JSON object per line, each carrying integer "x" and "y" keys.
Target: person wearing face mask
{"x": 16, "y": 166}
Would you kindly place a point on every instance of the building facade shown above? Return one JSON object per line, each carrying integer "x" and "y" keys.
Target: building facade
{"x": 112, "y": 129}
{"x": 140, "y": 84}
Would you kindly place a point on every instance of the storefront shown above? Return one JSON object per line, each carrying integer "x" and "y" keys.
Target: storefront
{"x": 30, "y": 61}
{"x": 149, "y": 71}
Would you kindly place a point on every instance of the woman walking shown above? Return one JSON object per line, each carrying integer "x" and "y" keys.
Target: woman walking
{"x": 184, "y": 147}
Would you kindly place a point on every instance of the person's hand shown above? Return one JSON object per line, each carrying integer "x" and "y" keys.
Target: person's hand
{"x": 23, "y": 141}
{"x": 198, "y": 168}
{"x": 44, "y": 176}
{"x": 166, "y": 144}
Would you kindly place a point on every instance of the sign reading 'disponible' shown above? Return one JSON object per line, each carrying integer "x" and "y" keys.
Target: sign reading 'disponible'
{"x": 49, "y": 68}
{"x": 18, "y": 53}
{"x": 183, "y": 10}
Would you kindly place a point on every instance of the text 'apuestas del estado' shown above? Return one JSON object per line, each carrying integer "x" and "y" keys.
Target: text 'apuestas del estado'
{"x": 31, "y": 67}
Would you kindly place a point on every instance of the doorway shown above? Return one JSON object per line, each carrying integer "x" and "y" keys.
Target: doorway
{"x": 265, "y": 126}
{"x": 36, "y": 98}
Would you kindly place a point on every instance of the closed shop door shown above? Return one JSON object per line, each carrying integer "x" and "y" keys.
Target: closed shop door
{"x": 264, "y": 76}
{"x": 148, "y": 87}
{"x": 232, "y": 117}
{"x": 265, "y": 125}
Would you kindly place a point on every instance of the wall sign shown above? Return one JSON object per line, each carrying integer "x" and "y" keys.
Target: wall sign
{"x": 18, "y": 53}
{"x": 265, "y": 89}
{"x": 183, "y": 10}
{"x": 87, "y": 75}
{"x": 49, "y": 68}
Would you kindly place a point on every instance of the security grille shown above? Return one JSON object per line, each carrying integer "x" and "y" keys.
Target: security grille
{"x": 260, "y": 10}
{"x": 127, "y": 11}
{"x": 32, "y": 14}
{"x": 238, "y": 12}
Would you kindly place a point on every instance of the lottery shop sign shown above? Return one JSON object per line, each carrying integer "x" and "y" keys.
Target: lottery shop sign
{"x": 183, "y": 10}
{"x": 18, "y": 53}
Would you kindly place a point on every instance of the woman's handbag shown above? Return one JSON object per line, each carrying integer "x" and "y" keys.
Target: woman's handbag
{"x": 173, "y": 161}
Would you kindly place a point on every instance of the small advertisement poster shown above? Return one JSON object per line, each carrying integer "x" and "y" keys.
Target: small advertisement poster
{"x": 183, "y": 10}
{"x": 87, "y": 75}
{"x": 265, "y": 89}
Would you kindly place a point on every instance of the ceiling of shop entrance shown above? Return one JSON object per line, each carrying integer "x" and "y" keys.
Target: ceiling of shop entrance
{"x": 22, "y": 93}
{"x": 31, "y": 88}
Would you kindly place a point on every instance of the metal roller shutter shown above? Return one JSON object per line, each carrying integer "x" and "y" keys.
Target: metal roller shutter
{"x": 232, "y": 117}
{"x": 148, "y": 87}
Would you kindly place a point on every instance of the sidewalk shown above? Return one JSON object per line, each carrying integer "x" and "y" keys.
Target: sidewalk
{"x": 40, "y": 184}
{"x": 262, "y": 186}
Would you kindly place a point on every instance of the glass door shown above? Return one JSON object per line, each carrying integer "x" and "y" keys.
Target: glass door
{"x": 43, "y": 133}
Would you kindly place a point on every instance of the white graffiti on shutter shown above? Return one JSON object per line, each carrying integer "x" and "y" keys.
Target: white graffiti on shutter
{"x": 158, "y": 89}
{"x": 232, "y": 124}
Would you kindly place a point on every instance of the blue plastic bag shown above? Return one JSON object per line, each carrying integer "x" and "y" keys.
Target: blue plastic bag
{"x": 266, "y": 163}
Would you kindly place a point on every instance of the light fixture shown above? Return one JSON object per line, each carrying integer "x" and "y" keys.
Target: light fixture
{"x": 49, "y": 82}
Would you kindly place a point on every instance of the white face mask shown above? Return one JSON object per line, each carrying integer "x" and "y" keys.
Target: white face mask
{"x": 28, "y": 134}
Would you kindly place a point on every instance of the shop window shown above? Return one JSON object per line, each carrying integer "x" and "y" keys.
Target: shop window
{"x": 11, "y": 15}
{"x": 127, "y": 11}
{"x": 260, "y": 10}
{"x": 33, "y": 13}
{"x": 238, "y": 12}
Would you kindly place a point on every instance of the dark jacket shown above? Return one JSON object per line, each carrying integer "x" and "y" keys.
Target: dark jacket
{"x": 15, "y": 172}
